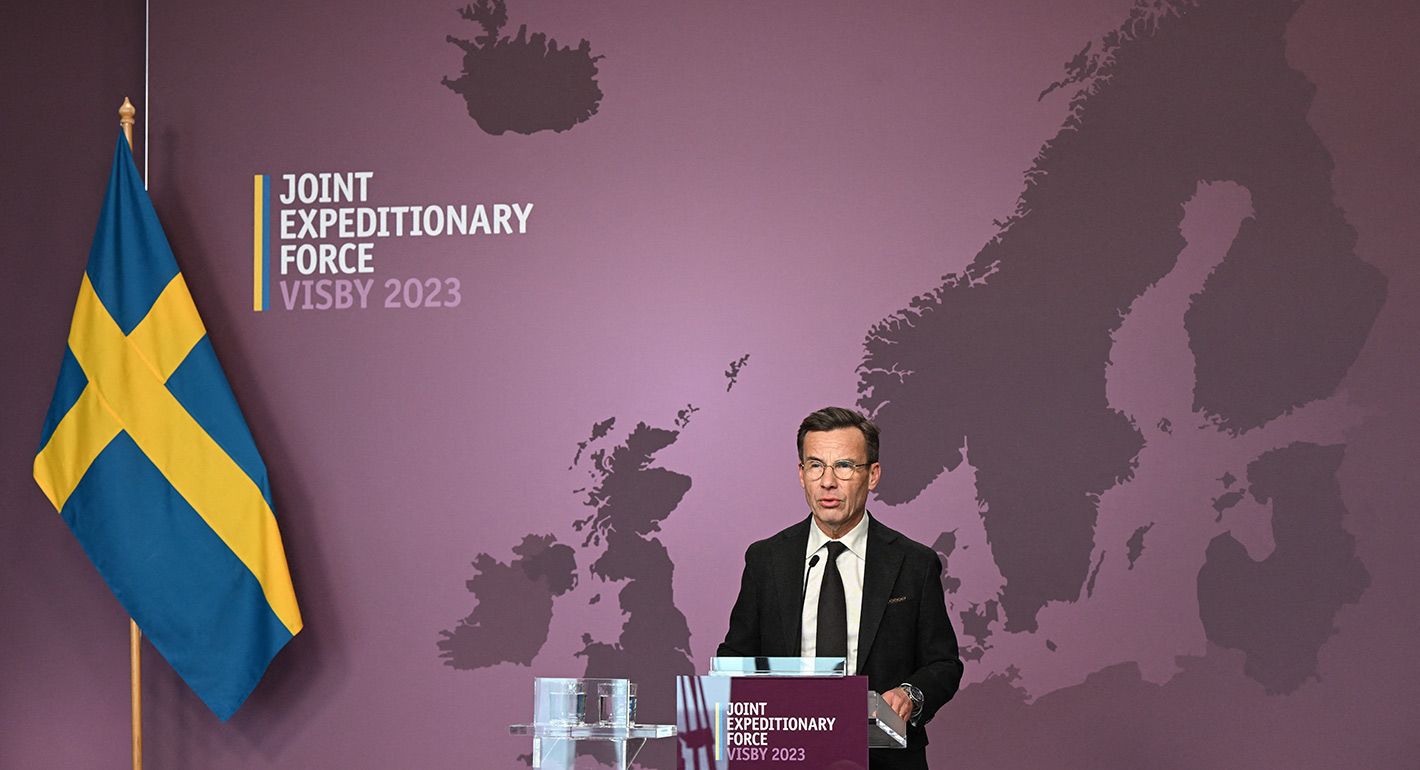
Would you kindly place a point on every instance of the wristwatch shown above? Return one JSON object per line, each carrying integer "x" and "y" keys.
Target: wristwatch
{"x": 916, "y": 696}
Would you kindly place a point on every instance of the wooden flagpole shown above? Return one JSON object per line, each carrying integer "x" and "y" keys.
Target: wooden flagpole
{"x": 126, "y": 113}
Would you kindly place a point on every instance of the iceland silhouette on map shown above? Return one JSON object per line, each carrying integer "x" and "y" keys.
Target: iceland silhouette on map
{"x": 523, "y": 83}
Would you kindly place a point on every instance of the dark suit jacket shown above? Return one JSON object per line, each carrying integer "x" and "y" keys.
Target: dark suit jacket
{"x": 903, "y": 633}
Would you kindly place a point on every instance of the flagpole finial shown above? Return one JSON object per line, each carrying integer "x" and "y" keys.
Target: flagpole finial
{"x": 126, "y": 113}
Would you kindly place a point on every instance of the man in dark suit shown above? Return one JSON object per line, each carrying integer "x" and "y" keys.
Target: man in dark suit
{"x": 878, "y": 598}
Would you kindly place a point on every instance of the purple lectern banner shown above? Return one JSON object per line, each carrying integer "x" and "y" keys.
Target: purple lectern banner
{"x": 757, "y": 723}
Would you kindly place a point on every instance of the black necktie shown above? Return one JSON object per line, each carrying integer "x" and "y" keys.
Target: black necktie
{"x": 832, "y": 608}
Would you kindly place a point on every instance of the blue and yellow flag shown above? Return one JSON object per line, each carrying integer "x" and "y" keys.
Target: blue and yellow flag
{"x": 147, "y": 458}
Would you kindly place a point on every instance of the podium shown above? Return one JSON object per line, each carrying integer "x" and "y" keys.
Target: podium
{"x": 781, "y": 712}
{"x": 569, "y": 711}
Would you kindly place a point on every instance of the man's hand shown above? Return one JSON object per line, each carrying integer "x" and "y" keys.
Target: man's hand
{"x": 897, "y": 700}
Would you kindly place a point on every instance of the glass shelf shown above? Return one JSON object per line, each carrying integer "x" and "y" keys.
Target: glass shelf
{"x": 594, "y": 732}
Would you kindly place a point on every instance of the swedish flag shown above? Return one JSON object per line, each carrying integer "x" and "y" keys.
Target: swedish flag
{"x": 147, "y": 458}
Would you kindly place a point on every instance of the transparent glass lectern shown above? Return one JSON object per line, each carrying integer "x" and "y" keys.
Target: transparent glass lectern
{"x": 886, "y": 730}
{"x": 566, "y": 711}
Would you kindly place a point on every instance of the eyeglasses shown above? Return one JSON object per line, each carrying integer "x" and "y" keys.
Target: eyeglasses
{"x": 843, "y": 469}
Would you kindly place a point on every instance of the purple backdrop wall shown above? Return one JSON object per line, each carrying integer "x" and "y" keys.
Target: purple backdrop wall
{"x": 1157, "y": 417}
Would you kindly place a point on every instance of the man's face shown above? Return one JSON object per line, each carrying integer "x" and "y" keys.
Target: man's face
{"x": 837, "y": 505}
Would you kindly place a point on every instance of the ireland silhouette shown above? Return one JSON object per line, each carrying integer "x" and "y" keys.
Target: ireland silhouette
{"x": 524, "y": 83}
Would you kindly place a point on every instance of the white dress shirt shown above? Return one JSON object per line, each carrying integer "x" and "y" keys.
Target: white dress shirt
{"x": 850, "y": 567}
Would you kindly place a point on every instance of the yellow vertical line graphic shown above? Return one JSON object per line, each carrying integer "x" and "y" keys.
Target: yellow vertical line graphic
{"x": 257, "y": 218}
{"x": 717, "y": 732}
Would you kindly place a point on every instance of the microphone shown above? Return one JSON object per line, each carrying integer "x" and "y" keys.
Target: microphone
{"x": 803, "y": 593}
{"x": 805, "y": 590}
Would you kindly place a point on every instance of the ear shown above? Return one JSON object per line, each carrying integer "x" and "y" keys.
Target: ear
{"x": 803, "y": 483}
{"x": 873, "y": 474}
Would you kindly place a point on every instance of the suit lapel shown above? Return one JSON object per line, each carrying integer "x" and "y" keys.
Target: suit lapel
{"x": 880, "y": 572}
{"x": 789, "y": 576}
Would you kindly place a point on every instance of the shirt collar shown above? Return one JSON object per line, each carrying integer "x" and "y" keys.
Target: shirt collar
{"x": 856, "y": 541}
